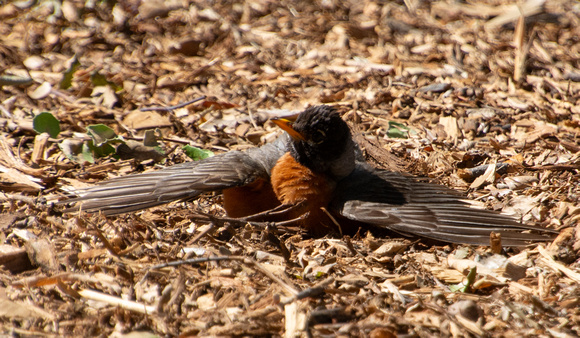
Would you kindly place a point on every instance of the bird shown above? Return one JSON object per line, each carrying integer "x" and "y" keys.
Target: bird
{"x": 317, "y": 167}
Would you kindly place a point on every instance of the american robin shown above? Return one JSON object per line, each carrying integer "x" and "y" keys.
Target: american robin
{"x": 317, "y": 166}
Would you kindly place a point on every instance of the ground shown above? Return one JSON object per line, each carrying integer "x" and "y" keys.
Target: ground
{"x": 432, "y": 88}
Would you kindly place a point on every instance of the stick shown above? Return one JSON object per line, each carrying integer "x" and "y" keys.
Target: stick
{"x": 181, "y": 105}
{"x": 116, "y": 301}
{"x": 246, "y": 260}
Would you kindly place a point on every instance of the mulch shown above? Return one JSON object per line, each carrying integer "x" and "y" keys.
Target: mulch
{"x": 482, "y": 96}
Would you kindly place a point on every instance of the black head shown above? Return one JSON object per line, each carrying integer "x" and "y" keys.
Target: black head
{"x": 321, "y": 140}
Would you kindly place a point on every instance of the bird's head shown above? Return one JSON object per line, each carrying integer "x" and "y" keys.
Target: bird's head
{"x": 321, "y": 140}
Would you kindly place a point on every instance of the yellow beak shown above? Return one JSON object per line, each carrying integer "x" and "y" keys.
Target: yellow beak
{"x": 286, "y": 125}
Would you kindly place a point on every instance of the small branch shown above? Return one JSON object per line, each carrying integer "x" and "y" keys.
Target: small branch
{"x": 333, "y": 220}
{"x": 15, "y": 80}
{"x": 277, "y": 211}
{"x": 116, "y": 301}
{"x": 166, "y": 139}
{"x": 199, "y": 236}
{"x": 549, "y": 261}
{"x": 241, "y": 221}
{"x": 555, "y": 167}
{"x": 17, "y": 197}
{"x": 314, "y": 291}
{"x": 97, "y": 232}
{"x": 351, "y": 247}
{"x": 290, "y": 289}
{"x": 181, "y": 105}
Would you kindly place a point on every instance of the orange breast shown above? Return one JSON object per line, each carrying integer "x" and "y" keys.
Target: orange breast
{"x": 250, "y": 199}
{"x": 294, "y": 183}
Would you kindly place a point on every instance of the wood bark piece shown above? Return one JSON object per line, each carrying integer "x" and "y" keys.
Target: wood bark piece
{"x": 14, "y": 259}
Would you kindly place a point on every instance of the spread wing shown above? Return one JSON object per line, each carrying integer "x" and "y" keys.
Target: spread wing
{"x": 180, "y": 182}
{"x": 408, "y": 206}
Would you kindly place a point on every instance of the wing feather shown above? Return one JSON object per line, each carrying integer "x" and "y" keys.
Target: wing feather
{"x": 180, "y": 182}
{"x": 409, "y": 206}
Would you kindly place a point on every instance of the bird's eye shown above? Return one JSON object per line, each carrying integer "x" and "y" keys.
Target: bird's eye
{"x": 318, "y": 136}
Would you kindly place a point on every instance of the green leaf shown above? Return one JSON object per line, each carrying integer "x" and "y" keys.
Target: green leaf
{"x": 46, "y": 123}
{"x": 86, "y": 154}
{"x": 465, "y": 286}
{"x": 397, "y": 130}
{"x": 197, "y": 154}
{"x": 66, "y": 81}
{"x": 101, "y": 150}
{"x": 76, "y": 150}
{"x": 100, "y": 80}
{"x": 102, "y": 138}
{"x": 101, "y": 134}
{"x": 456, "y": 287}
{"x": 160, "y": 150}
{"x": 471, "y": 276}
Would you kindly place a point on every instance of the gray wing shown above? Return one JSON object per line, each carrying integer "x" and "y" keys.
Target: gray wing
{"x": 406, "y": 205}
{"x": 180, "y": 182}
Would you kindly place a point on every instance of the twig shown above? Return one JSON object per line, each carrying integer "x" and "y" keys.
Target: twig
{"x": 333, "y": 220}
{"x": 521, "y": 314}
{"x": 277, "y": 211}
{"x": 14, "y": 80}
{"x": 116, "y": 301}
{"x": 179, "y": 286}
{"x": 351, "y": 247}
{"x": 62, "y": 95}
{"x": 252, "y": 121}
{"x": 199, "y": 236}
{"x": 521, "y": 52}
{"x": 181, "y": 105}
{"x": 555, "y": 167}
{"x": 166, "y": 139}
{"x": 314, "y": 291}
{"x": 461, "y": 321}
{"x": 165, "y": 296}
{"x": 5, "y": 111}
{"x": 26, "y": 199}
{"x": 241, "y": 221}
{"x": 549, "y": 261}
{"x": 274, "y": 235}
{"x": 97, "y": 232}
{"x": 260, "y": 313}
{"x": 495, "y": 242}
{"x": 246, "y": 260}
{"x": 289, "y": 288}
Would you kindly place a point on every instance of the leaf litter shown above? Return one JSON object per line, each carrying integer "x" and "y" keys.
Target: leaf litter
{"x": 482, "y": 96}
